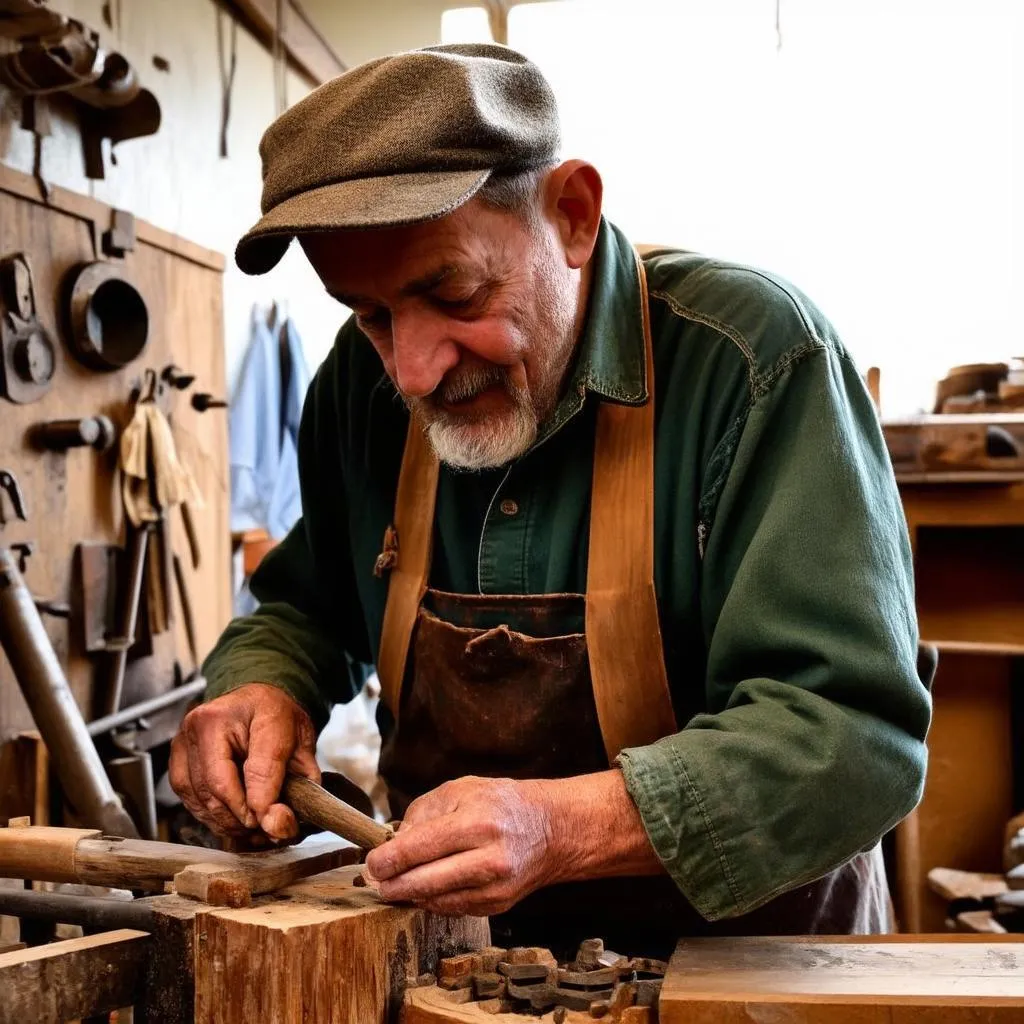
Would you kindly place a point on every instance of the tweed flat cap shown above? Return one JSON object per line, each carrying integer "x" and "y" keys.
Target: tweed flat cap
{"x": 399, "y": 140}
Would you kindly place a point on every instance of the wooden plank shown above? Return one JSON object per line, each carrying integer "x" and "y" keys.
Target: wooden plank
{"x": 956, "y": 420}
{"x": 73, "y": 979}
{"x": 952, "y": 884}
{"x": 24, "y": 779}
{"x": 308, "y": 50}
{"x": 94, "y": 212}
{"x": 432, "y": 1005}
{"x": 999, "y": 649}
{"x": 258, "y": 873}
{"x": 818, "y": 981}
{"x": 322, "y": 949}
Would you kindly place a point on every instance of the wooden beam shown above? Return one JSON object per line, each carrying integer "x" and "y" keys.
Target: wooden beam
{"x": 310, "y": 53}
{"x": 74, "y": 979}
{"x": 52, "y": 854}
{"x": 98, "y": 216}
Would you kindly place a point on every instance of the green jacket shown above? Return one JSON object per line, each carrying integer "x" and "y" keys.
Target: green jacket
{"x": 782, "y": 566}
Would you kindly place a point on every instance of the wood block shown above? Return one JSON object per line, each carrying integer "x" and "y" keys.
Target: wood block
{"x": 320, "y": 950}
{"x": 637, "y": 1015}
{"x": 819, "y": 981}
{"x": 958, "y": 885}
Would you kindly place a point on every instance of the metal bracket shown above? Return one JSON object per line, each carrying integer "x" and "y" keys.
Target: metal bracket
{"x": 28, "y": 356}
{"x": 100, "y": 566}
{"x": 9, "y": 484}
{"x": 119, "y": 238}
{"x": 24, "y": 551}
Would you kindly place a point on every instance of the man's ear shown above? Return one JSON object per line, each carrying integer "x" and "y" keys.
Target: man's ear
{"x": 572, "y": 204}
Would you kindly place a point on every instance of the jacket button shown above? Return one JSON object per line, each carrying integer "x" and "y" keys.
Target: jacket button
{"x": 509, "y": 507}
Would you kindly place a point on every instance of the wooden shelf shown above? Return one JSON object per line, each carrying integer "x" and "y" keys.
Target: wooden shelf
{"x": 973, "y": 647}
{"x": 970, "y": 588}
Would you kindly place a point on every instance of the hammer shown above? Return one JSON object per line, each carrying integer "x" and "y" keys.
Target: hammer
{"x": 313, "y": 803}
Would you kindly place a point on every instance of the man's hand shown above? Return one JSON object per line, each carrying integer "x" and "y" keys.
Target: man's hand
{"x": 478, "y": 846}
{"x": 259, "y": 727}
{"x": 472, "y": 846}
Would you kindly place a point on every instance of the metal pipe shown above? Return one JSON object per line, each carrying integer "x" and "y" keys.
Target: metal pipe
{"x": 101, "y": 912}
{"x": 147, "y": 707}
{"x": 53, "y": 707}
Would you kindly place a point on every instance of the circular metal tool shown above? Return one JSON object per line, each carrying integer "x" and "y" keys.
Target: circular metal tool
{"x": 107, "y": 317}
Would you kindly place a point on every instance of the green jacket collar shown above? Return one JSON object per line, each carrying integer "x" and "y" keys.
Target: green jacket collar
{"x": 609, "y": 360}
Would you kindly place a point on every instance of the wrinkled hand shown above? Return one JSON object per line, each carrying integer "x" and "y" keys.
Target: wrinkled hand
{"x": 472, "y": 846}
{"x": 259, "y": 727}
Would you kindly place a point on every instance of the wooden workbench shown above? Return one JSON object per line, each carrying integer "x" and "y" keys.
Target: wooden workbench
{"x": 321, "y": 950}
{"x": 933, "y": 979}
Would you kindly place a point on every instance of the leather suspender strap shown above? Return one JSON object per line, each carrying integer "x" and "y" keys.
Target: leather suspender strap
{"x": 627, "y": 663}
{"x": 414, "y": 524}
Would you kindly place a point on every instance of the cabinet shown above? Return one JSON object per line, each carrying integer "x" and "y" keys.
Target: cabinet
{"x": 968, "y": 543}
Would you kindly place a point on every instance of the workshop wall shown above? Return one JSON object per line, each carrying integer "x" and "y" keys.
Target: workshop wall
{"x": 360, "y": 31}
{"x": 176, "y": 179}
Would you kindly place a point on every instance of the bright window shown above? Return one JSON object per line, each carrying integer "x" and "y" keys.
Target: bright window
{"x": 466, "y": 25}
{"x": 872, "y": 159}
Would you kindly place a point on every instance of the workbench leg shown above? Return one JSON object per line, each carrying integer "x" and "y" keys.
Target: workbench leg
{"x": 908, "y": 873}
{"x": 170, "y": 990}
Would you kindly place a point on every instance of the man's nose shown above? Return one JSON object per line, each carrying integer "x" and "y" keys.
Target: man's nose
{"x": 423, "y": 354}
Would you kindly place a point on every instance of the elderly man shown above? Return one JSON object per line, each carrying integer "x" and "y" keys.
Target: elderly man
{"x": 619, "y": 534}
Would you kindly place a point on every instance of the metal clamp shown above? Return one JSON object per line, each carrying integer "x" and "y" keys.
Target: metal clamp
{"x": 28, "y": 356}
{"x": 9, "y": 484}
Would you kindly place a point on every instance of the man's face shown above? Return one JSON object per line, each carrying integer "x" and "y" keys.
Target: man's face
{"x": 473, "y": 317}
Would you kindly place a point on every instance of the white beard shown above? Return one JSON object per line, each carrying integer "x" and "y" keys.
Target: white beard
{"x": 496, "y": 440}
{"x": 486, "y": 444}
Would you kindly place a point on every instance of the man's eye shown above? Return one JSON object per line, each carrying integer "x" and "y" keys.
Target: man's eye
{"x": 378, "y": 320}
{"x": 457, "y": 304}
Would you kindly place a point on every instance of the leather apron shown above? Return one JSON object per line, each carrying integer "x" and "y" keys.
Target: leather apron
{"x": 555, "y": 685}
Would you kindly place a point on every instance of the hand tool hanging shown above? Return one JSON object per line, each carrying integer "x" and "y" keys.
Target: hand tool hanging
{"x": 154, "y": 480}
{"x": 48, "y": 695}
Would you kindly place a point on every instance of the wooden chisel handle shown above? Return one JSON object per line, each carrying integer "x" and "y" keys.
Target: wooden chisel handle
{"x": 314, "y": 804}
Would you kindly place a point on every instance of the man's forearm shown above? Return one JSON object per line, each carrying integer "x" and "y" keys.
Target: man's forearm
{"x": 596, "y": 828}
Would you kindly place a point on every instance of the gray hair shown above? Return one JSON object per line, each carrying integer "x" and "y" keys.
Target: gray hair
{"x": 517, "y": 192}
